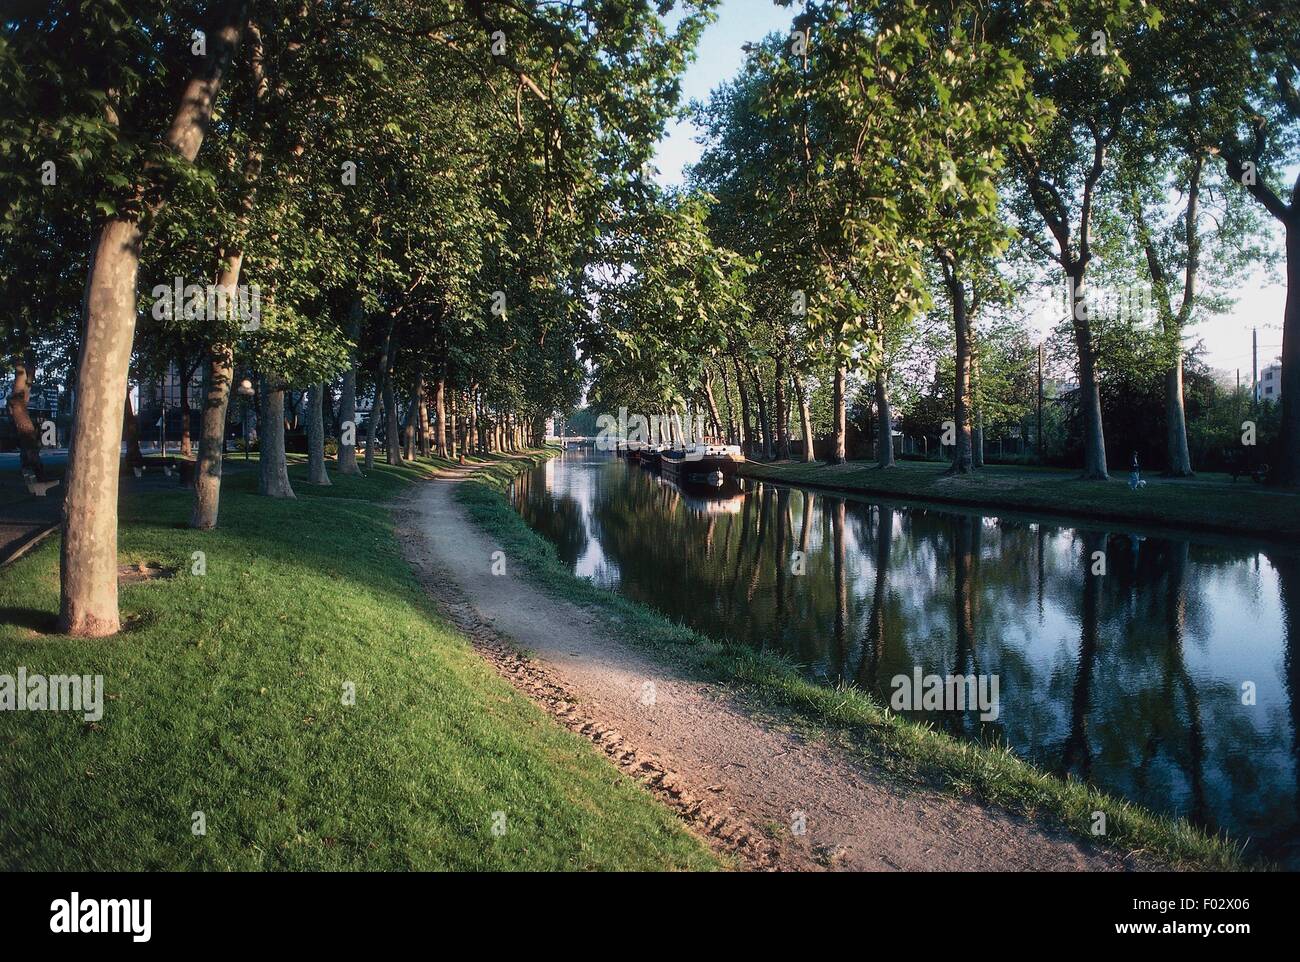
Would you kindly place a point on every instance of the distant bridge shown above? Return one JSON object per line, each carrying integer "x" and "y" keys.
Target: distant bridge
{"x": 574, "y": 441}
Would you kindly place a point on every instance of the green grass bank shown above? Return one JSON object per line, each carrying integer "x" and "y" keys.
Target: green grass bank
{"x": 913, "y": 753}
{"x": 1210, "y": 502}
{"x": 227, "y": 696}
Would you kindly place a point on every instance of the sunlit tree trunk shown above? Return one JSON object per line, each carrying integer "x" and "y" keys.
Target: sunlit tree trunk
{"x": 88, "y": 557}
{"x": 1094, "y": 441}
{"x": 838, "y": 425}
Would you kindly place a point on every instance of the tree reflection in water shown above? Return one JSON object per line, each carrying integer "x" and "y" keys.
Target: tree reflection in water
{"x": 1131, "y": 679}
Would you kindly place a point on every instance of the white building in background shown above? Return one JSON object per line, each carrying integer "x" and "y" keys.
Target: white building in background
{"x": 1269, "y": 387}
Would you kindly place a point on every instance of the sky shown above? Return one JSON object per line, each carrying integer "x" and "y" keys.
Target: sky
{"x": 1226, "y": 338}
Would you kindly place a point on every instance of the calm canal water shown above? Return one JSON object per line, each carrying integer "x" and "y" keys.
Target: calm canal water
{"x": 1131, "y": 680}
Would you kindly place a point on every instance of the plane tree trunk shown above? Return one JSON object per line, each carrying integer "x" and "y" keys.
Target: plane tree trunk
{"x": 884, "y": 422}
{"x": 963, "y": 459}
{"x": 316, "y": 473}
{"x": 88, "y": 555}
{"x": 782, "y": 410}
{"x": 838, "y": 425}
{"x": 274, "y": 478}
{"x": 805, "y": 416}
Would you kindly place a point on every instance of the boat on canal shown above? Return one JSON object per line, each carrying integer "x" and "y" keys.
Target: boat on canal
{"x": 702, "y": 463}
{"x": 652, "y": 456}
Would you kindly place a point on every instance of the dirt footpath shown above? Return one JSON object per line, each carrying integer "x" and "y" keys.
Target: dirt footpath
{"x": 773, "y": 798}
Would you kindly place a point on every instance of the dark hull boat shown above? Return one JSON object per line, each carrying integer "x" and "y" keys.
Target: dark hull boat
{"x": 710, "y": 465}
{"x": 651, "y": 458}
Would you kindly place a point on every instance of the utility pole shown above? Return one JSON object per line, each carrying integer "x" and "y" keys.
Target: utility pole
{"x": 1040, "y": 400}
{"x": 1254, "y": 366}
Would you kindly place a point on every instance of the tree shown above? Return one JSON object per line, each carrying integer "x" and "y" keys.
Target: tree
{"x": 1239, "y": 67}
{"x": 1060, "y": 172}
{"x": 88, "y": 566}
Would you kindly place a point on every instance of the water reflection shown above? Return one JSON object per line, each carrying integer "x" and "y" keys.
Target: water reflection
{"x": 1132, "y": 678}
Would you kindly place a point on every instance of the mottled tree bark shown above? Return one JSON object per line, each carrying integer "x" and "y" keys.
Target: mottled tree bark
{"x": 88, "y": 556}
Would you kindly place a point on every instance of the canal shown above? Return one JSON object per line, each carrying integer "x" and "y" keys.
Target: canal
{"x": 1171, "y": 679}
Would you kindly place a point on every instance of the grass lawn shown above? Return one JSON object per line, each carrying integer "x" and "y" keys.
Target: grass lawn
{"x": 1210, "y": 502}
{"x": 912, "y": 752}
{"x": 226, "y": 696}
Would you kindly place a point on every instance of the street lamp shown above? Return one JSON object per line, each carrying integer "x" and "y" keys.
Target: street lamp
{"x": 245, "y": 390}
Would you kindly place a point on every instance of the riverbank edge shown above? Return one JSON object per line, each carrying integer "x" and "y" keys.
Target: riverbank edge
{"x": 912, "y": 752}
{"x": 797, "y": 474}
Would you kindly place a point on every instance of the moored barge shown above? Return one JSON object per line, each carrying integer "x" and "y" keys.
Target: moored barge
{"x": 699, "y": 463}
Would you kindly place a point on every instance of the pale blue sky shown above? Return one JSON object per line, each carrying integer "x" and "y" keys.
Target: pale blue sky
{"x": 1226, "y": 338}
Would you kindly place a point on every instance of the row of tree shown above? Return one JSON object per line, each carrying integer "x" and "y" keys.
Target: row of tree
{"x": 409, "y": 191}
{"x": 895, "y": 169}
